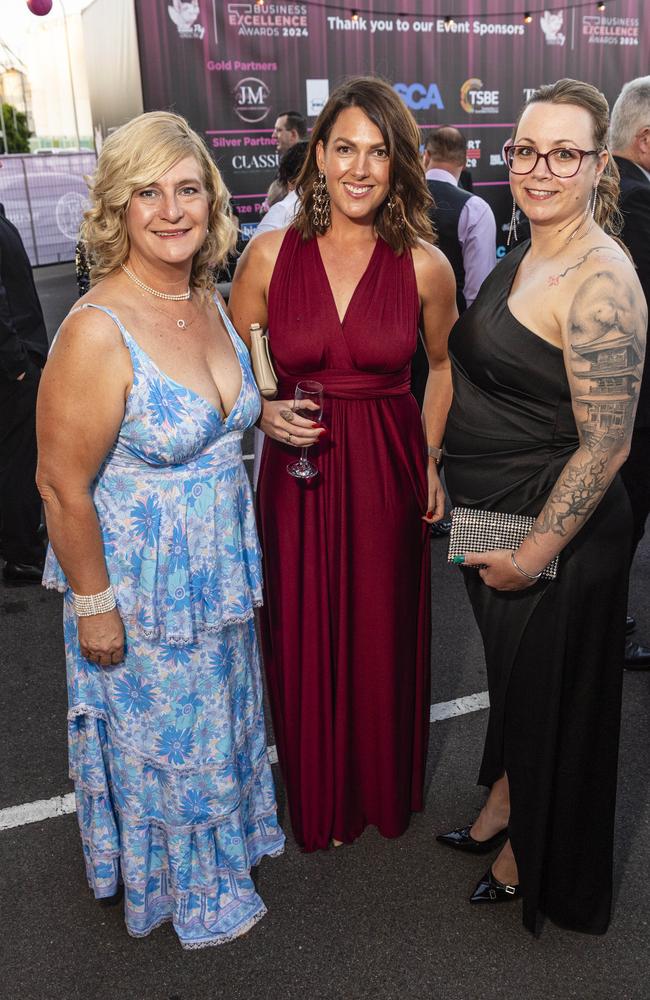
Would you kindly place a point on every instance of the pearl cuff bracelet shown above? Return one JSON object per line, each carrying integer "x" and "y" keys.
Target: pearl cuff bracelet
{"x": 86, "y": 605}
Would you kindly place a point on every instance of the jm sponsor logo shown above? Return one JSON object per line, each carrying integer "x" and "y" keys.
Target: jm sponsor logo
{"x": 251, "y": 100}
{"x": 475, "y": 99}
{"x": 185, "y": 15}
{"x": 420, "y": 96}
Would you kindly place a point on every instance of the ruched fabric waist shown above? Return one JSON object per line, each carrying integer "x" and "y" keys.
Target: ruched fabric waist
{"x": 351, "y": 384}
{"x": 221, "y": 454}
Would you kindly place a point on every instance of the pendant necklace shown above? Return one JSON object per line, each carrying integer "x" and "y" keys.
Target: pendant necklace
{"x": 182, "y": 297}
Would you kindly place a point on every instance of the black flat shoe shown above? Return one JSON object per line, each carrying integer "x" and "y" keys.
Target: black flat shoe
{"x": 462, "y": 840}
{"x": 637, "y": 657}
{"x": 490, "y": 890}
{"x": 630, "y": 624}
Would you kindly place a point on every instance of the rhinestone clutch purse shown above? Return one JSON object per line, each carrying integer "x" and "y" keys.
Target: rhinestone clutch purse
{"x": 475, "y": 530}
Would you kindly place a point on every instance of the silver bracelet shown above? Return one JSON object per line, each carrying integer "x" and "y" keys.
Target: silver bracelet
{"x": 529, "y": 576}
{"x": 86, "y": 605}
{"x": 434, "y": 453}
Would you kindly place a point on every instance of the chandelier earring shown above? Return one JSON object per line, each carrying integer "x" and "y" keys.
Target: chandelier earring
{"x": 320, "y": 210}
{"x": 593, "y": 203}
{"x": 512, "y": 229}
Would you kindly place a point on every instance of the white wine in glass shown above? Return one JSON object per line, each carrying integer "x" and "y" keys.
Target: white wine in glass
{"x": 312, "y": 391}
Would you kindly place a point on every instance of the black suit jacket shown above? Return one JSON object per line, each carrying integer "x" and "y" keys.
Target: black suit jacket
{"x": 635, "y": 205}
{"x": 23, "y": 337}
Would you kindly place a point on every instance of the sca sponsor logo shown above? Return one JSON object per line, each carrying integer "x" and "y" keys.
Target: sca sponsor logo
{"x": 418, "y": 96}
{"x": 475, "y": 100}
{"x": 255, "y": 161}
{"x": 551, "y": 23}
{"x": 184, "y": 16}
{"x": 251, "y": 100}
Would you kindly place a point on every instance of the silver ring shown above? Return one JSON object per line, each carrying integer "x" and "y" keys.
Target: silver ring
{"x": 288, "y": 438}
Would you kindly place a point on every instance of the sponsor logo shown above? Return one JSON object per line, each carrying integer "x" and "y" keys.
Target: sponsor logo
{"x": 528, "y": 92}
{"x": 184, "y": 16}
{"x": 317, "y": 93}
{"x": 251, "y": 100}
{"x": 255, "y": 161}
{"x": 611, "y": 30}
{"x": 473, "y": 153}
{"x": 475, "y": 100}
{"x": 270, "y": 20}
{"x": 419, "y": 96}
{"x": 496, "y": 160}
{"x": 551, "y": 23}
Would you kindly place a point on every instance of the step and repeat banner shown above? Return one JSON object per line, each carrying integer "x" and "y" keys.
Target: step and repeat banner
{"x": 232, "y": 67}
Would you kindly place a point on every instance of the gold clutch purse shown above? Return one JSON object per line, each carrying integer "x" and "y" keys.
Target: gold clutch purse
{"x": 263, "y": 370}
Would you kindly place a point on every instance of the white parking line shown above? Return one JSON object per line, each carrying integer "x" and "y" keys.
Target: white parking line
{"x": 61, "y": 805}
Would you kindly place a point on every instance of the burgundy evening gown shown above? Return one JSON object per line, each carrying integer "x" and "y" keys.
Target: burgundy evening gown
{"x": 346, "y": 621}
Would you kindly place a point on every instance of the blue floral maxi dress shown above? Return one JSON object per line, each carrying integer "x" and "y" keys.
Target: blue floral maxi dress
{"x": 173, "y": 787}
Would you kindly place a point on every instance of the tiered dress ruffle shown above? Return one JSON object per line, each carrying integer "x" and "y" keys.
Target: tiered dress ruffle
{"x": 168, "y": 752}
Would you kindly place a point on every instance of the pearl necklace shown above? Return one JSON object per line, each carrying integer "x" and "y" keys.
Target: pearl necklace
{"x": 183, "y": 297}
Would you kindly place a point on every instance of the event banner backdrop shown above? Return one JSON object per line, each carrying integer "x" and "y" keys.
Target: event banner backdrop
{"x": 231, "y": 67}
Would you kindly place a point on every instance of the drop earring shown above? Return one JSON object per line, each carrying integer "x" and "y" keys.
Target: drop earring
{"x": 320, "y": 211}
{"x": 512, "y": 229}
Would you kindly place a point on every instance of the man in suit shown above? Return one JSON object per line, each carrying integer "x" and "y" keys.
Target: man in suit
{"x": 23, "y": 351}
{"x": 630, "y": 143}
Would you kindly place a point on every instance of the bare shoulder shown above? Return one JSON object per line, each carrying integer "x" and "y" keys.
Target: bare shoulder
{"x": 432, "y": 269}
{"x": 264, "y": 249}
{"x": 88, "y": 335}
{"x": 602, "y": 255}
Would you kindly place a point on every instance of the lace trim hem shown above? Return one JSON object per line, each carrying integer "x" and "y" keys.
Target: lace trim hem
{"x": 195, "y": 945}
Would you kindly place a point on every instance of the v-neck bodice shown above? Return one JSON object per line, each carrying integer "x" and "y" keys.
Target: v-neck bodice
{"x": 175, "y": 504}
{"x": 358, "y": 288}
{"x": 378, "y": 334}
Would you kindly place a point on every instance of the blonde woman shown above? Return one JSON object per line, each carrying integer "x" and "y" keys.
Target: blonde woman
{"x": 141, "y": 412}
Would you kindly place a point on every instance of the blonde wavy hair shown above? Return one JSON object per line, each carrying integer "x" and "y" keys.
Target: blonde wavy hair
{"x": 136, "y": 155}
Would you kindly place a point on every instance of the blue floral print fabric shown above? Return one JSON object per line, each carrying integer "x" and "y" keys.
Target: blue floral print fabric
{"x": 167, "y": 750}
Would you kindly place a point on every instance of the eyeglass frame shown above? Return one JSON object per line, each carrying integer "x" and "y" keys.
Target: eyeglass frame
{"x": 544, "y": 156}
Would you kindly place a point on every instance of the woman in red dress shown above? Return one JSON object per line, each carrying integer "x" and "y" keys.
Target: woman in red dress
{"x": 345, "y": 629}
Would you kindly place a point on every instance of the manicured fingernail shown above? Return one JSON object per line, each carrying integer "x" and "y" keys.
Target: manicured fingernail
{"x": 458, "y": 559}
{"x": 429, "y": 513}
{"x": 315, "y": 425}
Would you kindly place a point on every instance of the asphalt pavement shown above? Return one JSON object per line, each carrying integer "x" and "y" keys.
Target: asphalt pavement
{"x": 381, "y": 919}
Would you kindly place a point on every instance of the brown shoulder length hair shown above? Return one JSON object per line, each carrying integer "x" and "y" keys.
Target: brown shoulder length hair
{"x": 408, "y": 187}
{"x": 585, "y": 95}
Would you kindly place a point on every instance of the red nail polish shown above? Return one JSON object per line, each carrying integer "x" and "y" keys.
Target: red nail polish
{"x": 429, "y": 513}
{"x": 315, "y": 425}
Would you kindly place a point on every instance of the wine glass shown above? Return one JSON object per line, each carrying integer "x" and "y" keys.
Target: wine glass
{"x": 312, "y": 391}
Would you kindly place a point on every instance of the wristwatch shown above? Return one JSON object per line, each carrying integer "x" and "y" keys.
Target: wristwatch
{"x": 435, "y": 453}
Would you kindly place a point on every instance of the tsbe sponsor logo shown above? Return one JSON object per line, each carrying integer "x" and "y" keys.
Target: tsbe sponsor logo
{"x": 610, "y": 30}
{"x": 255, "y": 161}
{"x": 251, "y": 98}
{"x": 270, "y": 20}
{"x": 317, "y": 93}
{"x": 420, "y": 96}
{"x": 476, "y": 100}
{"x": 184, "y": 15}
{"x": 551, "y": 22}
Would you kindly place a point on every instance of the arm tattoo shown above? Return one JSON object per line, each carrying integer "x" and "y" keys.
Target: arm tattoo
{"x": 607, "y": 325}
{"x": 606, "y": 255}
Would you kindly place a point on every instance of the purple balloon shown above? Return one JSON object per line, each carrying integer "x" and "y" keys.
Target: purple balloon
{"x": 40, "y": 7}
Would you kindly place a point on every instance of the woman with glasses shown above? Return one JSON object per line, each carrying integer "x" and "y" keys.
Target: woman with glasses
{"x": 546, "y": 371}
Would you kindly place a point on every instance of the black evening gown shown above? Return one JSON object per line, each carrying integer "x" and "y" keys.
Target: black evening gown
{"x": 554, "y": 652}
